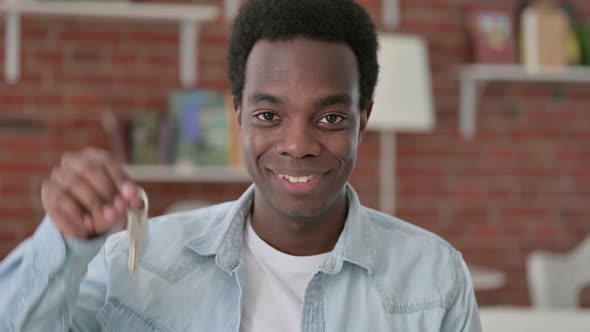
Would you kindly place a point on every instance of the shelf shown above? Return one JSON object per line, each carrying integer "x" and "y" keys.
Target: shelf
{"x": 473, "y": 77}
{"x": 129, "y": 10}
{"x": 188, "y": 17}
{"x": 165, "y": 173}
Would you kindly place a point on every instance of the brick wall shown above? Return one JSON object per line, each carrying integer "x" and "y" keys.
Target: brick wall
{"x": 523, "y": 183}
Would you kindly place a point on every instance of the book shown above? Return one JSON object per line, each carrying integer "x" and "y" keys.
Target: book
{"x": 144, "y": 138}
{"x": 574, "y": 40}
{"x": 583, "y": 31}
{"x": 492, "y": 35}
{"x": 117, "y": 131}
{"x": 167, "y": 140}
{"x": 544, "y": 35}
{"x": 202, "y": 126}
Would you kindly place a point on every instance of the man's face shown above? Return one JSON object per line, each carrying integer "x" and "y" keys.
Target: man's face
{"x": 301, "y": 124}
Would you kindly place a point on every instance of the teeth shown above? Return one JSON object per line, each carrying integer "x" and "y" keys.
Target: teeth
{"x": 297, "y": 179}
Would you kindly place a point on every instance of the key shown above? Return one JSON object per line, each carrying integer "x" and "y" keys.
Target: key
{"x": 137, "y": 223}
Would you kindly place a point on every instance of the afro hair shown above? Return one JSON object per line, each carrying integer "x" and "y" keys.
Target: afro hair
{"x": 341, "y": 21}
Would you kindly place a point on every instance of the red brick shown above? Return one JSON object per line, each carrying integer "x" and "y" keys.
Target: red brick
{"x": 8, "y": 237}
{"x": 158, "y": 60}
{"x": 528, "y": 212}
{"x": 49, "y": 57}
{"x": 12, "y": 98}
{"x": 215, "y": 55}
{"x": 30, "y": 78}
{"x": 12, "y": 166}
{"x": 44, "y": 99}
{"x": 82, "y": 79}
{"x": 147, "y": 81}
{"x": 214, "y": 41}
{"x": 81, "y": 57}
{"x": 7, "y": 189}
{"x": 17, "y": 213}
{"x": 156, "y": 37}
{"x": 82, "y": 100}
{"x": 124, "y": 58}
{"x": 215, "y": 29}
{"x": 92, "y": 36}
{"x": 21, "y": 142}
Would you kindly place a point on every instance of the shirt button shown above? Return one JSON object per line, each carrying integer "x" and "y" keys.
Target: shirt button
{"x": 311, "y": 300}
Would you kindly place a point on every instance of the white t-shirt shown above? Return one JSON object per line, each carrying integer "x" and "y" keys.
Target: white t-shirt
{"x": 275, "y": 285}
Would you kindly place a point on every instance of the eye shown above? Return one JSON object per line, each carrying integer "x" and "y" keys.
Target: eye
{"x": 331, "y": 119}
{"x": 266, "y": 116}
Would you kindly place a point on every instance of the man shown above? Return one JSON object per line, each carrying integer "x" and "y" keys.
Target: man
{"x": 297, "y": 252}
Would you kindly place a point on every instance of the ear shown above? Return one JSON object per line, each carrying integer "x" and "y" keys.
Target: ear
{"x": 365, "y": 114}
{"x": 238, "y": 111}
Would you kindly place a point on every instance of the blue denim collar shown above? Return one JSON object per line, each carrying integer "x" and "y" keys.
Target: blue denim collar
{"x": 225, "y": 240}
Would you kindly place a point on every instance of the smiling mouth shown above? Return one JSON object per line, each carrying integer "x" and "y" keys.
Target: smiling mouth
{"x": 299, "y": 182}
{"x": 297, "y": 179}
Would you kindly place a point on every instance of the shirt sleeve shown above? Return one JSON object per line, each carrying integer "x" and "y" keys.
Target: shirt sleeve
{"x": 40, "y": 282}
{"x": 462, "y": 314}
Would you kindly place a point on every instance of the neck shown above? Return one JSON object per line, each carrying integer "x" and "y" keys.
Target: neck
{"x": 300, "y": 236}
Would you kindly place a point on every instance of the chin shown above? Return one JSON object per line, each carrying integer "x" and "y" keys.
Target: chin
{"x": 303, "y": 210}
{"x": 302, "y": 216}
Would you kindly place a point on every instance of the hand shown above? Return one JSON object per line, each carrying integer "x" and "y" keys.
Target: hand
{"x": 88, "y": 194}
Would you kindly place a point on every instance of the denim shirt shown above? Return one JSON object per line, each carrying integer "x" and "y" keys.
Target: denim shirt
{"x": 383, "y": 275}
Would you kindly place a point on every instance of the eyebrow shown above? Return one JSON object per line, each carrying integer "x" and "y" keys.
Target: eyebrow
{"x": 333, "y": 100}
{"x": 341, "y": 99}
{"x": 265, "y": 97}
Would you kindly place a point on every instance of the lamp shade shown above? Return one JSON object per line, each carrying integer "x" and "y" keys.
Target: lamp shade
{"x": 403, "y": 100}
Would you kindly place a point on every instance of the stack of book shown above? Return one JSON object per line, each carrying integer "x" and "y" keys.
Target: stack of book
{"x": 198, "y": 129}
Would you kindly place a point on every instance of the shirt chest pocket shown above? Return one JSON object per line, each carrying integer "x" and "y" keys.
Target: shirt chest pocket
{"x": 116, "y": 316}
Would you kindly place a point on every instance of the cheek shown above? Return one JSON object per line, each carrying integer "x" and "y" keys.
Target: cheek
{"x": 254, "y": 144}
{"x": 345, "y": 147}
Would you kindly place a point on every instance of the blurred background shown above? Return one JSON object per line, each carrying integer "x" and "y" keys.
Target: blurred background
{"x": 501, "y": 171}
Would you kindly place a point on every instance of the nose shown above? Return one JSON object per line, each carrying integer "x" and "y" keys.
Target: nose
{"x": 298, "y": 140}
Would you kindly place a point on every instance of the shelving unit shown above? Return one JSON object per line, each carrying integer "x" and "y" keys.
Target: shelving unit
{"x": 474, "y": 77}
{"x": 165, "y": 173}
{"x": 189, "y": 18}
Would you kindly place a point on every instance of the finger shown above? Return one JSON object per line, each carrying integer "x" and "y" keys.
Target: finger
{"x": 53, "y": 195}
{"x": 73, "y": 225}
{"x": 69, "y": 207}
{"x": 112, "y": 167}
{"x": 98, "y": 177}
{"x": 66, "y": 158}
{"x": 46, "y": 197}
{"x": 116, "y": 172}
{"x": 79, "y": 188}
{"x": 130, "y": 193}
{"x": 58, "y": 192}
{"x": 67, "y": 204}
{"x": 120, "y": 205}
{"x": 107, "y": 219}
{"x": 64, "y": 212}
{"x": 91, "y": 162}
{"x": 89, "y": 224}
{"x": 67, "y": 226}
